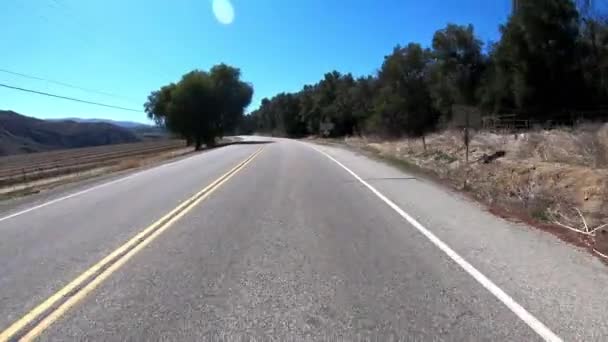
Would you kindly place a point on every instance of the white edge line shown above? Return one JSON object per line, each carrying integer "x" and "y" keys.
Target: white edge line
{"x": 82, "y": 192}
{"x": 67, "y": 197}
{"x": 536, "y": 325}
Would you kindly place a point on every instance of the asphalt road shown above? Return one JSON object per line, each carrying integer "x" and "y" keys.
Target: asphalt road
{"x": 294, "y": 246}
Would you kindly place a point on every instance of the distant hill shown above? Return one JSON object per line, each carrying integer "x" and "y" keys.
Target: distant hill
{"x": 143, "y": 131}
{"x": 124, "y": 124}
{"x": 23, "y": 134}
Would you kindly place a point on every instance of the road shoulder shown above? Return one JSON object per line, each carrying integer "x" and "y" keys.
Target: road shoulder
{"x": 551, "y": 278}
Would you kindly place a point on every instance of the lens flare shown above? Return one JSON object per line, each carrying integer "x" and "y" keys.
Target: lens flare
{"x": 223, "y": 11}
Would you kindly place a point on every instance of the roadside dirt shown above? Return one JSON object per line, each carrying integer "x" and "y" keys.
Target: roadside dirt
{"x": 556, "y": 180}
{"x": 36, "y": 186}
{"x": 67, "y": 176}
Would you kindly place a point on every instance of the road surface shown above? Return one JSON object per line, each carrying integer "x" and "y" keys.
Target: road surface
{"x": 286, "y": 240}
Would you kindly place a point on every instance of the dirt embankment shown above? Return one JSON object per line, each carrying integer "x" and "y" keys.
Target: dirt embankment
{"x": 554, "y": 177}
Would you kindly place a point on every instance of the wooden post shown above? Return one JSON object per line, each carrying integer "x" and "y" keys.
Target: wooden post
{"x": 466, "y": 136}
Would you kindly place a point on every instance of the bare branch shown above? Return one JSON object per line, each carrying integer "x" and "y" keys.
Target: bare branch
{"x": 596, "y": 228}
{"x": 582, "y": 218}
{"x": 585, "y": 232}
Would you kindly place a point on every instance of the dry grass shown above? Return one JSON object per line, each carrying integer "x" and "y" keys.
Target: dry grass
{"x": 128, "y": 164}
{"x": 28, "y": 187}
{"x": 557, "y": 176}
{"x": 16, "y": 186}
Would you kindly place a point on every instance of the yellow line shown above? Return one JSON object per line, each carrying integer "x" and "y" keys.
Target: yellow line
{"x": 121, "y": 254}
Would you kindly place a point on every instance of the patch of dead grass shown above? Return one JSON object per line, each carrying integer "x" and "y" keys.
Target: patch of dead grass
{"x": 558, "y": 175}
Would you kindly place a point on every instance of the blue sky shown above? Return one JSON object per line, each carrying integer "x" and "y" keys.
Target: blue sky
{"x": 130, "y": 47}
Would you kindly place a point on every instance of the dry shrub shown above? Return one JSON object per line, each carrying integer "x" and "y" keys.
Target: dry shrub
{"x": 602, "y": 142}
{"x": 550, "y": 146}
{"x": 552, "y": 174}
{"x": 586, "y": 146}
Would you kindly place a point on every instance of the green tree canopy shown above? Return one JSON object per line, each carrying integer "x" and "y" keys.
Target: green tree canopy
{"x": 404, "y": 104}
{"x": 536, "y": 58}
{"x": 457, "y": 67}
{"x": 550, "y": 61}
{"x": 203, "y": 105}
{"x": 157, "y": 106}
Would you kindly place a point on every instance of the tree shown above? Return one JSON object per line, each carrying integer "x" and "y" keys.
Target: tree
{"x": 495, "y": 92}
{"x": 286, "y": 108}
{"x": 363, "y": 94}
{"x": 404, "y": 103}
{"x": 537, "y": 58}
{"x": 232, "y": 95}
{"x": 309, "y": 111}
{"x": 324, "y": 100}
{"x": 246, "y": 125}
{"x": 548, "y": 60}
{"x": 593, "y": 51}
{"x": 158, "y": 102}
{"x": 202, "y": 105}
{"x": 344, "y": 106}
{"x": 457, "y": 67}
{"x": 194, "y": 111}
{"x": 335, "y": 99}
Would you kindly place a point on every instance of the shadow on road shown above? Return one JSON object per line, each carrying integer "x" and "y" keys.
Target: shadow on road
{"x": 224, "y": 144}
{"x": 244, "y": 142}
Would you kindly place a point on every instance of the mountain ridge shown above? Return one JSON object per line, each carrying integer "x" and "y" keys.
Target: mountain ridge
{"x": 119, "y": 123}
{"x": 23, "y": 134}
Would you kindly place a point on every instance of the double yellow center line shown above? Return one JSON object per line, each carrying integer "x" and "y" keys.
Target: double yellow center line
{"x": 42, "y": 316}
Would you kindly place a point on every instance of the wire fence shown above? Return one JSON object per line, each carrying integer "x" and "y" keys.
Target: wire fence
{"x": 474, "y": 118}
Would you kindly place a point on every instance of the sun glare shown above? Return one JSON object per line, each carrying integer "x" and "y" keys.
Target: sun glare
{"x": 223, "y": 11}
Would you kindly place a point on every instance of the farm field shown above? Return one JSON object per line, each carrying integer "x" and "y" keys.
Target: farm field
{"x": 23, "y": 168}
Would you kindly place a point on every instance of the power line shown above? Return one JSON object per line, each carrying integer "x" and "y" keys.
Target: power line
{"x": 69, "y": 98}
{"x": 65, "y": 84}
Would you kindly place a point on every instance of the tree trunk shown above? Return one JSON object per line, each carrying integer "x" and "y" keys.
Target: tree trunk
{"x": 188, "y": 141}
{"x": 424, "y": 142}
{"x": 198, "y": 143}
{"x": 210, "y": 142}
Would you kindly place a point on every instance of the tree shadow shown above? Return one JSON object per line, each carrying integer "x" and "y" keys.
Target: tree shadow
{"x": 228, "y": 143}
{"x": 243, "y": 142}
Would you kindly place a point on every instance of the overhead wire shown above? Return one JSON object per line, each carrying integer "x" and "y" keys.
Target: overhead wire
{"x": 69, "y": 98}
{"x": 59, "y": 6}
{"x": 65, "y": 84}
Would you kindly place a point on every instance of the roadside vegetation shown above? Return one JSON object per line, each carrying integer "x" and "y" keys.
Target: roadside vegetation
{"x": 518, "y": 123}
{"x": 557, "y": 176}
{"x": 203, "y": 106}
{"x": 550, "y": 65}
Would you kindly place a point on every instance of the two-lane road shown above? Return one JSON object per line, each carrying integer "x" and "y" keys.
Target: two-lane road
{"x": 288, "y": 242}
